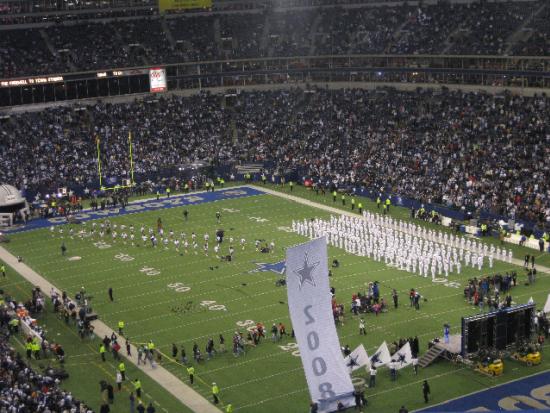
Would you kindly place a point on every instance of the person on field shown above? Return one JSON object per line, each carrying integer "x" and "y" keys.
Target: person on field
{"x": 426, "y": 391}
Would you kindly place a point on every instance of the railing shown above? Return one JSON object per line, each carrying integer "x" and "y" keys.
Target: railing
{"x": 501, "y": 71}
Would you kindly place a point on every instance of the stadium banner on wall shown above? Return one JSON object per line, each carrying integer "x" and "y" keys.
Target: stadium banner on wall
{"x": 157, "y": 79}
{"x": 309, "y": 302}
{"x": 184, "y": 4}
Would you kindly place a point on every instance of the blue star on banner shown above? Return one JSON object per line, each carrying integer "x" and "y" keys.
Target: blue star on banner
{"x": 353, "y": 361}
{"x": 305, "y": 274}
{"x": 401, "y": 359}
{"x": 276, "y": 267}
{"x": 375, "y": 358}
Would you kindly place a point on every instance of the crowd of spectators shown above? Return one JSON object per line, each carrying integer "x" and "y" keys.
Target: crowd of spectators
{"x": 22, "y": 388}
{"x": 466, "y": 150}
{"x": 23, "y": 52}
{"x": 486, "y": 28}
{"x": 479, "y": 28}
{"x": 537, "y": 43}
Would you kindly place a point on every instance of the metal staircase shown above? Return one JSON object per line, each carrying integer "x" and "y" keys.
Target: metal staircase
{"x": 430, "y": 356}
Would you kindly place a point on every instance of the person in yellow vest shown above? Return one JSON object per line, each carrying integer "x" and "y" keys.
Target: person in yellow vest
{"x": 151, "y": 347}
{"x": 121, "y": 328}
{"x": 215, "y": 393}
{"x": 484, "y": 229}
{"x": 102, "y": 351}
{"x": 229, "y": 408}
{"x": 36, "y": 348}
{"x": 384, "y": 209}
{"x": 191, "y": 372}
{"x": 137, "y": 387}
{"x": 378, "y": 202}
{"x": 222, "y": 183}
{"x": 158, "y": 194}
{"x": 122, "y": 370}
{"x": 343, "y": 198}
{"x": 3, "y": 270}
{"x": 168, "y": 190}
{"x": 352, "y": 203}
{"x": 291, "y": 184}
{"x": 207, "y": 186}
{"x": 28, "y": 348}
{"x": 388, "y": 203}
{"x": 333, "y": 196}
{"x": 186, "y": 188}
{"x": 360, "y": 206}
{"x": 14, "y": 325}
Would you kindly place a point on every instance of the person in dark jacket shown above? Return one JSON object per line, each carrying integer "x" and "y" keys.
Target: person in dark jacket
{"x": 425, "y": 390}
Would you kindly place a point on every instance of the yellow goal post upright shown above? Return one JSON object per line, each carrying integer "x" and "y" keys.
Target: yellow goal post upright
{"x": 129, "y": 182}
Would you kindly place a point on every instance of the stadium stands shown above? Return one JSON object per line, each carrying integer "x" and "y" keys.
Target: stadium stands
{"x": 466, "y": 150}
{"x": 467, "y": 29}
{"x": 23, "y": 389}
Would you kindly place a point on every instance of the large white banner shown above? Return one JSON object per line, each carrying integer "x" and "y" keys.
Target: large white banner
{"x": 309, "y": 302}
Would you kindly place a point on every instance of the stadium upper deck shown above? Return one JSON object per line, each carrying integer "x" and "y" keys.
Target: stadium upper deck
{"x": 33, "y": 44}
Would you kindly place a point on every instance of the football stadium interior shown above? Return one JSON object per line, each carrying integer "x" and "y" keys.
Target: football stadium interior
{"x": 274, "y": 206}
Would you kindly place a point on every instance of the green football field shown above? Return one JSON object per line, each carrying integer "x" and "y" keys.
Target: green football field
{"x": 185, "y": 299}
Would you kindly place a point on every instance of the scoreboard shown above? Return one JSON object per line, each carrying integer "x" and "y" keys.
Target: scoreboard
{"x": 82, "y": 85}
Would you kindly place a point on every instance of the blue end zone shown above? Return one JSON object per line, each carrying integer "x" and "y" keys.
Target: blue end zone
{"x": 531, "y": 394}
{"x": 144, "y": 206}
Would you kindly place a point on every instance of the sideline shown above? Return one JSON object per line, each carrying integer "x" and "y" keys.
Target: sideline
{"x": 181, "y": 391}
{"x": 338, "y": 211}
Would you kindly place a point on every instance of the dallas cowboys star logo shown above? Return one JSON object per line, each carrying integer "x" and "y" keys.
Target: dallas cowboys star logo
{"x": 401, "y": 358}
{"x": 353, "y": 361}
{"x": 375, "y": 359}
{"x": 305, "y": 273}
{"x": 276, "y": 267}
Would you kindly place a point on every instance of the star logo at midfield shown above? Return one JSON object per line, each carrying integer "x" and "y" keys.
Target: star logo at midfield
{"x": 375, "y": 358}
{"x": 305, "y": 273}
{"x": 353, "y": 361}
{"x": 276, "y": 267}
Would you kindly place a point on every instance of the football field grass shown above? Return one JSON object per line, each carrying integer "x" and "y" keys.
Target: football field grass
{"x": 185, "y": 299}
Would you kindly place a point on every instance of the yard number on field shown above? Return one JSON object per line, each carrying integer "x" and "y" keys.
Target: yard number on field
{"x": 258, "y": 219}
{"x": 179, "y": 287}
{"x": 101, "y": 245}
{"x": 446, "y": 283}
{"x": 123, "y": 257}
{"x": 149, "y": 271}
{"x": 292, "y": 348}
{"x": 249, "y": 324}
{"x": 212, "y": 306}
